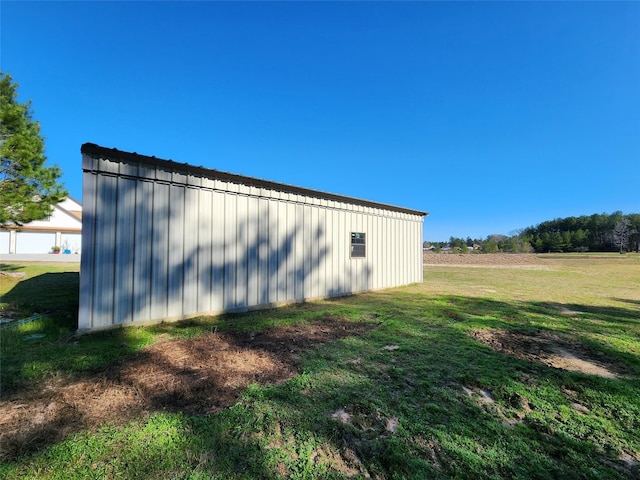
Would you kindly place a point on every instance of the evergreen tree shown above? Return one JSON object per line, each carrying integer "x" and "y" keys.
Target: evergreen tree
{"x": 28, "y": 189}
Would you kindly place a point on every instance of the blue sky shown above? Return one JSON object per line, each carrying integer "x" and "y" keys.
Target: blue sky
{"x": 492, "y": 116}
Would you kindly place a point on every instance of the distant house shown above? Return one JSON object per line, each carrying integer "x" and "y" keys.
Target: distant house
{"x": 63, "y": 228}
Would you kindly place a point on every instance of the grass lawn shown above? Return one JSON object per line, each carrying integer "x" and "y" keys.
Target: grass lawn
{"x": 492, "y": 372}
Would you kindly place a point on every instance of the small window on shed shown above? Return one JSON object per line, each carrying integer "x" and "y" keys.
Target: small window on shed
{"x": 358, "y": 245}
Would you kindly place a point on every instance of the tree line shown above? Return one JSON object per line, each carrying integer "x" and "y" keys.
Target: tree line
{"x": 588, "y": 233}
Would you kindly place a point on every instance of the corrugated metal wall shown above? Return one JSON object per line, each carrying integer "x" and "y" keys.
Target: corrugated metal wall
{"x": 161, "y": 244}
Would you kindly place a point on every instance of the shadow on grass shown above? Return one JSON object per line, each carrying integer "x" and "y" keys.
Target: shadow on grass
{"x": 49, "y": 292}
{"x": 525, "y": 429}
{"x": 41, "y": 342}
{"x": 627, "y": 300}
{"x": 408, "y": 372}
{"x": 5, "y": 267}
{"x": 613, "y": 316}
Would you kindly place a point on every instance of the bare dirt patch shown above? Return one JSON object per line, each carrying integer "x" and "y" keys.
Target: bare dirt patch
{"x": 196, "y": 376}
{"x": 490, "y": 260}
{"x": 550, "y": 349}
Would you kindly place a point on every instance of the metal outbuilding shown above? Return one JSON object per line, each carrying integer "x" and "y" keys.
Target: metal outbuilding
{"x": 166, "y": 241}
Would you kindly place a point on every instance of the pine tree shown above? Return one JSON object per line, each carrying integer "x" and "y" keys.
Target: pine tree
{"x": 28, "y": 188}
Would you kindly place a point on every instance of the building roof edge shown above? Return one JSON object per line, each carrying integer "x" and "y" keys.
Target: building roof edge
{"x": 96, "y": 151}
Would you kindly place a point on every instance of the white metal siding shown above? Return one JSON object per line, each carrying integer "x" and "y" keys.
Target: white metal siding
{"x": 167, "y": 245}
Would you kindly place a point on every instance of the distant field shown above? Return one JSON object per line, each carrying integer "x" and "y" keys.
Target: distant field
{"x": 476, "y": 259}
{"x": 519, "y": 259}
{"x": 503, "y": 367}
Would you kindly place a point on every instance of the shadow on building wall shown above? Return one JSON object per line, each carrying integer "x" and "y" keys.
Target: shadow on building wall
{"x": 163, "y": 251}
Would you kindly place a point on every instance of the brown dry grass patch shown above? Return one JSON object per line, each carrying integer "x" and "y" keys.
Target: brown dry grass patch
{"x": 552, "y": 350}
{"x": 196, "y": 376}
{"x": 491, "y": 260}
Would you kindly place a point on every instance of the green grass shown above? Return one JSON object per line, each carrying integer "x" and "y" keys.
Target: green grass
{"x": 47, "y": 287}
{"x": 288, "y": 431}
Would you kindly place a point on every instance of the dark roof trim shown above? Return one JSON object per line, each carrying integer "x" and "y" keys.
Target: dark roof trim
{"x": 97, "y": 151}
